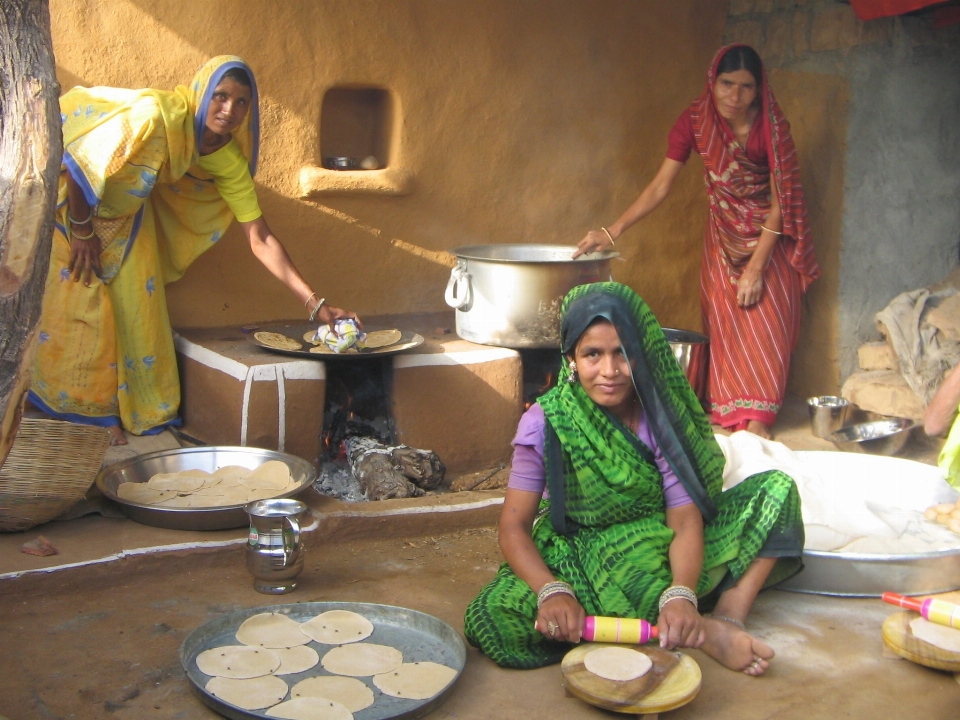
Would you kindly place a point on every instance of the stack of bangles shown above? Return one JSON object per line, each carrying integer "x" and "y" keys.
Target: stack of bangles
{"x": 676, "y": 592}
{"x": 554, "y": 588}
{"x": 316, "y": 309}
{"x": 71, "y": 220}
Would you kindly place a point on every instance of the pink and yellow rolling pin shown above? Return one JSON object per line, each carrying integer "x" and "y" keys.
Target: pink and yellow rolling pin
{"x": 617, "y": 630}
{"x": 937, "y": 611}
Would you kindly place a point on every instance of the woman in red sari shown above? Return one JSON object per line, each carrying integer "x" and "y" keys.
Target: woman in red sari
{"x": 758, "y": 258}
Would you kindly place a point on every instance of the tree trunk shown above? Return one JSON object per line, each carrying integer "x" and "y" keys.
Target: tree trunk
{"x": 31, "y": 148}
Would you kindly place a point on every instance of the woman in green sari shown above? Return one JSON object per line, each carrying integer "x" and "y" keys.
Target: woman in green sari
{"x": 634, "y": 523}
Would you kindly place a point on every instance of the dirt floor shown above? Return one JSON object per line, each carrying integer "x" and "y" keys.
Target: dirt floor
{"x": 101, "y": 639}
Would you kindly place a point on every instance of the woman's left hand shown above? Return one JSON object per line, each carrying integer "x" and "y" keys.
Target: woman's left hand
{"x": 749, "y": 287}
{"x": 680, "y": 625}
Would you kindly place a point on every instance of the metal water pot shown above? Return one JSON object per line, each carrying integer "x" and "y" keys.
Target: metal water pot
{"x": 274, "y": 549}
{"x": 509, "y": 295}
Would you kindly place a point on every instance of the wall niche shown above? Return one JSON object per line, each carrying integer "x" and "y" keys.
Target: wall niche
{"x": 359, "y": 145}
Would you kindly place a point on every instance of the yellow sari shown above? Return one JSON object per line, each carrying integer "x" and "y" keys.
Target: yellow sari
{"x": 106, "y": 354}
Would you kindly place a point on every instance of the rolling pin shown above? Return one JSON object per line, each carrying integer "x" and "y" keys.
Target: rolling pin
{"x": 617, "y": 630}
{"x": 937, "y": 611}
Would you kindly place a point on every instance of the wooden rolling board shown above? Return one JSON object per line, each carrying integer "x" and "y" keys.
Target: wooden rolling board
{"x": 898, "y": 637}
{"x": 679, "y": 677}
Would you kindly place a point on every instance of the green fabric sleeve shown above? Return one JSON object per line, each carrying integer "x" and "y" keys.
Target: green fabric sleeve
{"x": 231, "y": 173}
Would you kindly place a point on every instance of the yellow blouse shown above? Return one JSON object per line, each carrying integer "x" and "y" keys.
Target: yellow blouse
{"x": 231, "y": 173}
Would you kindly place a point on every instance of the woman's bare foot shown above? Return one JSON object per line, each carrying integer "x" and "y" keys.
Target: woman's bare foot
{"x": 758, "y": 428}
{"x": 734, "y": 648}
{"x": 116, "y": 435}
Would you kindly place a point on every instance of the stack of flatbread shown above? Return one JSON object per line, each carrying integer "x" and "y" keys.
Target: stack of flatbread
{"x": 229, "y": 485}
{"x": 273, "y": 644}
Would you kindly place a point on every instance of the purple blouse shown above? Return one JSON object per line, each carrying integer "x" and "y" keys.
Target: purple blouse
{"x": 528, "y": 471}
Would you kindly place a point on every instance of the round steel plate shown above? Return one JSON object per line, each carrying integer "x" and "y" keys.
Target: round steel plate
{"x": 296, "y": 331}
{"x": 420, "y": 637}
{"x": 143, "y": 467}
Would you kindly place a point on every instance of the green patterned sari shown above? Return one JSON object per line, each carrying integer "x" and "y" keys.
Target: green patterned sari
{"x": 603, "y": 529}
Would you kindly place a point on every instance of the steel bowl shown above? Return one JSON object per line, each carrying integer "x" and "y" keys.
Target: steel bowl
{"x": 879, "y": 437}
{"x": 692, "y": 352}
{"x": 340, "y": 163}
{"x": 143, "y": 467}
{"x": 828, "y": 414}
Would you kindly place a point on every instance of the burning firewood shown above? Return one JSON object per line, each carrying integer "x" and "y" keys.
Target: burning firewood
{"x": 383, "y": 471}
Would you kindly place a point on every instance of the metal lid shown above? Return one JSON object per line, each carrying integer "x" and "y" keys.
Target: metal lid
{"x": 529, "y": 253}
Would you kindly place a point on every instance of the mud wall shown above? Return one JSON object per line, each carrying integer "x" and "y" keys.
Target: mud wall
{"x": 507, "y": 122}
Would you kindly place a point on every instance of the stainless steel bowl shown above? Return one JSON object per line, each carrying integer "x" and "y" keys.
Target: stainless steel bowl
{"x": 692, "y": 352}
{"x": 143, "y": 467}
{"x": 880, "y": 437}
{"x": 828, "y": 414}
{"x": 340, "y": 163}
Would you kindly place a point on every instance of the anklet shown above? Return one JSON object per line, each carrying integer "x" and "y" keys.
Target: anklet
{"x": 732, "y": 621}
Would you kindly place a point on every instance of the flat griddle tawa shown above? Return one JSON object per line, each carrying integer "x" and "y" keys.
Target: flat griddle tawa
{"x": 672, "y": 682}
{"x": 296, "y": 331}
{"x": 898, "y": 637}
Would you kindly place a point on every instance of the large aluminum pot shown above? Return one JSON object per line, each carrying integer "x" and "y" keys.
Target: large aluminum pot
{"x": 509, "y": 295}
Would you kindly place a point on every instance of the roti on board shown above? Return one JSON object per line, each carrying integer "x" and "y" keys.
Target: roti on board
{"x": 362, "y": 659}
{"x": 337, "y": 627}
{"x": 619, "y": 664}
{"x": 941, "y": 636}
{"x": 238, "y": 661}
{"x": 249, "y": 694}
{"x": 349, "y": 692}
{"x": 416, "y": 680}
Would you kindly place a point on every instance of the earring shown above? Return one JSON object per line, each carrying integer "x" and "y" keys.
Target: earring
{"x": 572, "y": 375}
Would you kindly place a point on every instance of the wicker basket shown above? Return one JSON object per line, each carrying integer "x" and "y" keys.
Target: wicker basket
{"x": 50, "y": 466}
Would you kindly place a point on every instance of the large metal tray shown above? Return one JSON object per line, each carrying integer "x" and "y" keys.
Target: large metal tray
{"x": 870, "y": 575}
{"x": 420, "y": 637}
{"x": 296, "y": 331}
{"x": 143, "y": 467}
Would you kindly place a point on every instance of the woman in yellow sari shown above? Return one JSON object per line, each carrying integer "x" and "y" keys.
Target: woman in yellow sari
{"x": 150, "y": 180}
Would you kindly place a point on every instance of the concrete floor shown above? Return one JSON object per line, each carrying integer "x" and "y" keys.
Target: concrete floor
{"x": 100, "y": 639}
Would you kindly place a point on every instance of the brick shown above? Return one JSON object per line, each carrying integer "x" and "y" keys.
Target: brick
{"x": 877, "y": 356}
{"x": 749, "y": 32}
{"x": 779, "y": 40}
{"x": 884, "y": 392}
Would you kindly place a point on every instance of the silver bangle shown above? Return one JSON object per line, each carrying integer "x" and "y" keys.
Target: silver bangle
{"x": 73, "y": 220}
{"x": 775, "y": 232}
{"x": 554, "y": 588}
{"x": 678, "y": 592}
{"x": 313, "y": 313}
{"x": 609, "y": 236}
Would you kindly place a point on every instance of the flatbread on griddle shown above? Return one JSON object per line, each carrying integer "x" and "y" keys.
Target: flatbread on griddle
{"x": 362, "y": 659}
{"x": 271, "y": 630}
{"x": 310, "y": 708}
{"x": 250, "y": 693}
{"x": 276, "y": 340}
{"x": 349, "y": 692}
{"x": 309, "y": 335}
{"x": 619, "y": 664}
{"x": 323, "y": 349}
{"x": 337, "y": 627}
{"x": 416, "y": 681}
{"x": 238, "y": 661}
{"x": 382, "y": 338}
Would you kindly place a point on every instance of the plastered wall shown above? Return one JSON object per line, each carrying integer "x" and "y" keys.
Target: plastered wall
{"x": 519, "y": 121}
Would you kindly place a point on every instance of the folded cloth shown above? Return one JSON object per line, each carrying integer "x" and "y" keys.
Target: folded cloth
{"x": 347, "y": 335}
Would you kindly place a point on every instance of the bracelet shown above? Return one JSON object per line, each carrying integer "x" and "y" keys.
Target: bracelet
{"x": 676, "y": 592}
{"x": 732, "y": 621}
{"x": 609, "y": 236}
{"x": 313, "y": 313}
{"x": 307, "y": 301}
{"x": 93, "y": 234}
{"x": 775, "y": 232}
{"x": 72, "y": 219}
{"x": 554, "y": 588}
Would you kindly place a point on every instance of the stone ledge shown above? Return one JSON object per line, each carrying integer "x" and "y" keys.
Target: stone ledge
{"x": 876, "y": 356}
{"x": 315, "y": 181}
{"x": 884, "y": 392}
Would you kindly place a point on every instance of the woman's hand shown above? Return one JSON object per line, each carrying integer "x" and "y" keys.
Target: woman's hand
{"x": 749, "y": 287}
{"x": 561, "y": 618}
{"x": 595, "y": 241}
{"x": 328, "y": 315}
{"x": 680, "y": 625}
{"x": 84, "y": 257}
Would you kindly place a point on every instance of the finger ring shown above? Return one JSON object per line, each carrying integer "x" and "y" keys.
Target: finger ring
{"x": 756, "y": 664}
{"x": 552, "y": 628}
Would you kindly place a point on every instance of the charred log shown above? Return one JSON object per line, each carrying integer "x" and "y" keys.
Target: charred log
{"x": 422, "y": 467}
{"x": 379, "y": 475}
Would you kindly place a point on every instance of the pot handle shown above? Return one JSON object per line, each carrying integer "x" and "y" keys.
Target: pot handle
{"x": 294, "y": 539}
{"x": 459, "y": 292}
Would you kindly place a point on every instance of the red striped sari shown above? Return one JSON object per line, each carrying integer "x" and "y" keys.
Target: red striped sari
{"x": 750, "y": 347}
